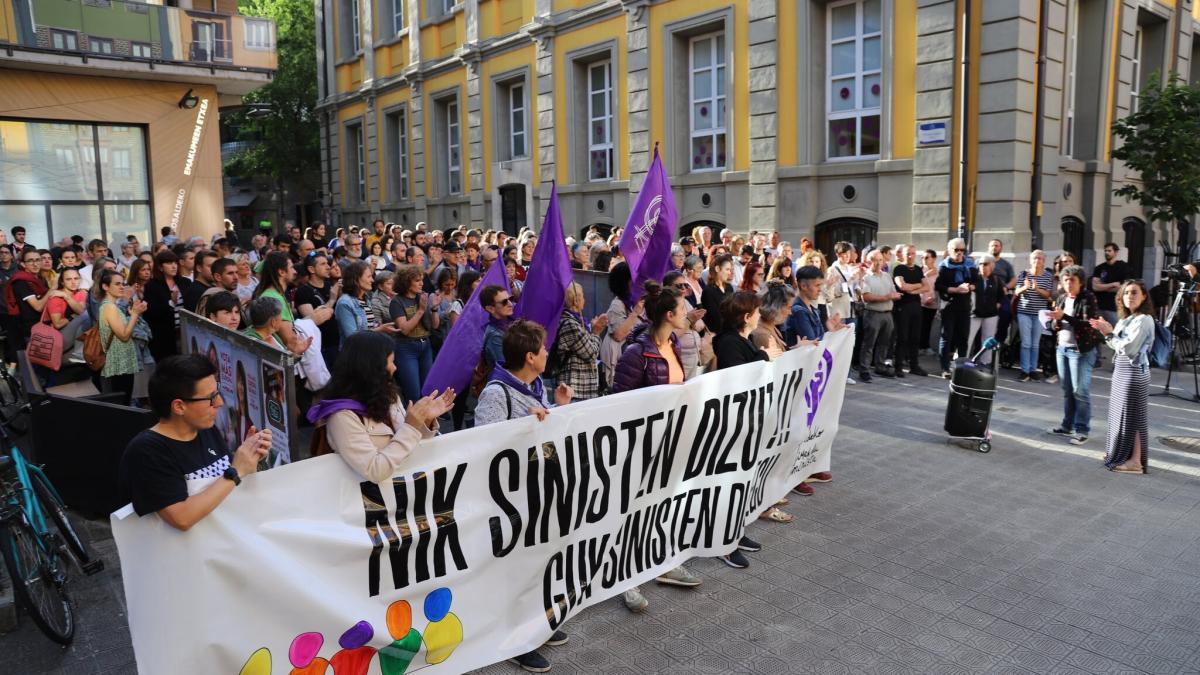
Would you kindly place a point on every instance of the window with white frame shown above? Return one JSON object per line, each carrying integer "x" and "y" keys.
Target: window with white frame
{"x": 706, "y": 95}
{"x": 100, "y": 45}
{"x": 1135, "y": 78}
{"x": 397, "y": 16}
{"x": 448, "y": 6}
{"x": 355, "y": 25}
{"x": 120, "y": 165}
{"x": 397, "y": 134}
{"x": 258, "y": 34}
{"x": 518, "y": 135}
{"x": 600, "y": 121}
{"x": 1071, "y": 75}
{"x": 356, "y": 164}
{"x": 63, "y": 39}
{"x": 140, "y": 50}
{"x": 453, "y": 150}
{"x": 854, "y": 90}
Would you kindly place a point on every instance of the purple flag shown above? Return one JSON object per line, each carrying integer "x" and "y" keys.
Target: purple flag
{"x": 459, "y": 355}
{"x": 545, "y": 290}
{"x": 646, "y": 240}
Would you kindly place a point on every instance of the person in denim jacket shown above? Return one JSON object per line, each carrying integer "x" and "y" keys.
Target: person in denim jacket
{"x": 1128, "y": 429}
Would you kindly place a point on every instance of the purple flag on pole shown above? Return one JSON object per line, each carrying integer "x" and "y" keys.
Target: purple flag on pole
{"x": 460, "y": 352}
{"x": 545, "y": 290}
{"x": 646, "y": 241}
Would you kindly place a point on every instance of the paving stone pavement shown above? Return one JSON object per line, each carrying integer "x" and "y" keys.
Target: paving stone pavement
{"x": 920, "y": 557}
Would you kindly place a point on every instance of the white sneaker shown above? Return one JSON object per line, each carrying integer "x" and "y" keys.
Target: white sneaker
{"x": 634, "y": 600}
{"x": 851, "y": 380}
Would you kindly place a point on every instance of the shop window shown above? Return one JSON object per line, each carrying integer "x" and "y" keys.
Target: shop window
{"x": 68, "y": 179}
{"x": 854, "y": 78}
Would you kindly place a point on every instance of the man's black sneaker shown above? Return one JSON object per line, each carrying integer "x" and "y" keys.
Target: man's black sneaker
{"x": 1062, "y": 432}
{"x": 883, "y": 372}
{"x": 748, "y": 544}
{"x": 899, "y": 372}
{"x": 1036, "y": 376}
{"x": 559, "y": 638}
{"x": 864, "y": 376}
{"x": 1024, "y": 377}
{"x": 532, "y": 662}
{"x": 918, "y": 371}
{"x": 736, "y": 560}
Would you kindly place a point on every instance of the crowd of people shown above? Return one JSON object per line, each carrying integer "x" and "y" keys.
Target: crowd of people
{"x": 385, "y": 298}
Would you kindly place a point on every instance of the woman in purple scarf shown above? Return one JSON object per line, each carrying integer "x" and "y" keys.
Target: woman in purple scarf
{"x": 362, "y": 416}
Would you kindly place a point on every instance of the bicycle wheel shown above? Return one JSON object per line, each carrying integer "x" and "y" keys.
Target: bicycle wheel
{"x": 57, "y": 512}
{"x": 39, "y": 579}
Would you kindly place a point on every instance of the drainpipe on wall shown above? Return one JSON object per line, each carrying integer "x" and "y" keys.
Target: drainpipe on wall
{"x": 964, "y": 123}
{"x": 1039, "y": 129}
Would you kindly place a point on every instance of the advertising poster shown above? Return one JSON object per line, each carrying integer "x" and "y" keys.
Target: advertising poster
{"x": 275, "y": 412}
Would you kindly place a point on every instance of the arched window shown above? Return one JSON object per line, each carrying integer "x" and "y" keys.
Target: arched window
{"x": 1135, "y": 244}
{"x": 857, "y": 231}
{"x": 1073, "y": 233}
{"x": 689, "y": 229}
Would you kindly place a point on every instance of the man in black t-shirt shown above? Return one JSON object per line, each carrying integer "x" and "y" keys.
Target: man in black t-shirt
{"x": 159, "y": 463}
{"x": 910, "y": 281}
{"x": 1107, "y": 279}
{"x": 315, "y": 300}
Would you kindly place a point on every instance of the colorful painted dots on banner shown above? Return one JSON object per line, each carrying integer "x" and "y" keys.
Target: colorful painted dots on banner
{"x": 355, "y": 656}
{"x": 303, "y": 655}
{"x": 445, "y": 631}
{"x": 395, "y": 658}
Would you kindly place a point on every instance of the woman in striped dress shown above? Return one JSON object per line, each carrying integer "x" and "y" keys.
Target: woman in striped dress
{"x": 1130, "y": 339}
{"x": 1034, "y": 289}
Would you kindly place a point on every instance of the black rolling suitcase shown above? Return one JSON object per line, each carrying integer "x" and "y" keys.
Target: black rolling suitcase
{"x": 969, "y": 409}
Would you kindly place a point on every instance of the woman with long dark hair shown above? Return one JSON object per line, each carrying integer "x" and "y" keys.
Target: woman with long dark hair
{"x": 352, "y": 309}
{"x": 718, "y": 287}
{"x": 164, "y": 296}
{"x": 116, "y": 336}
{"x": 361, "y": 415}
{"x": 412, "y": 312}
{"x": 276, "y": 276}
{"x": 1128, "y": 406}
{"x": 654, "y": 358}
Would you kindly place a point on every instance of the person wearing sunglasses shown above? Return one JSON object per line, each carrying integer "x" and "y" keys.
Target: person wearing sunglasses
{"x": 498, "y": 303}
{"x": 184, "y": 446}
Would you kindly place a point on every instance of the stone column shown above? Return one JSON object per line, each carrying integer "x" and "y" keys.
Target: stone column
{"x": 372, "y": 160}
{"x": 366, "y": 15}
{"x": 547, "y": 157}
{"x": 933, "y": 166}
{"x": 638, "y": 102}
{"x": 469, "y": 53}
{"x": 763, "y": 115}
{"x": 416, "y": 112}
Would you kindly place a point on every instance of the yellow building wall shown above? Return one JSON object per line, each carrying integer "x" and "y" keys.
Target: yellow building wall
{"x": 659, "y": 16}
{"x": 441, "y": 39}
{"x": 382, "y": 104}
{"x": 509, "y": 61}
{"x": 503, "y": 17}
{"x": 787, "y": 78}
{"x": 391, "y": 59}
{"x": 356, "y": 111}
{"x": 434, "y": 87}
{"x": 562, "y": 5}
{"x": 8, "y": 23}
{"x": 565, "y": 43}
{"x": 904, "y": 79}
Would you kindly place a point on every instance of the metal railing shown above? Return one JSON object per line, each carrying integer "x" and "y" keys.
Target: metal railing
{"x": 124, "y": 29}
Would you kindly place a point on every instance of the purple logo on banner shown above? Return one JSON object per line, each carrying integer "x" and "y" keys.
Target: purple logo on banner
{"x": 816, "y": 387}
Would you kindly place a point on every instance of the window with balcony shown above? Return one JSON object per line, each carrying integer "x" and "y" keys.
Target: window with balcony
{"x": 258, "y": 34}
{"x": 100, "y": 45}
{"x": 63, "y": 39}
{"x": 67, "y": 179}
{"x": 707, "y": 98}
{"x": 396, "y": 130}
{"x": 600, "y": 120}
{"x": 854, "y": 84}
{"x": 356, "y": 165}
{"x": 140, "y": 50}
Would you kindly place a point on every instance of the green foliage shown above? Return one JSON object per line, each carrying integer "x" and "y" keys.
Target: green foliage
{"x": 1161, "y": 141}
{"x": 287, "y": 131}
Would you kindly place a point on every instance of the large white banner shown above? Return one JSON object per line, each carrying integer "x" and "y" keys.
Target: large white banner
{"x": 487, "y": 540}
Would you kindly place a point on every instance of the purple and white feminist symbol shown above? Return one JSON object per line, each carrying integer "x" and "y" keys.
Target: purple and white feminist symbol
{"x": 649, "y": 221}
{"x": 816, "y": 387}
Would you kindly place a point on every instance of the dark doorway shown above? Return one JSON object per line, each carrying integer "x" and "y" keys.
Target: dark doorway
{"x": 604, "y": 229}
{"x": 1135, "y": 244}
{"x": 512, "y": 208}
{"x": 687, "y": 230}
{"x": 857, "y": 231}
{"x": 1073, "y": 235}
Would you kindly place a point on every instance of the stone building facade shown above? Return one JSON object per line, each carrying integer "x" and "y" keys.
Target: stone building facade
{"x": 868, "y": 120}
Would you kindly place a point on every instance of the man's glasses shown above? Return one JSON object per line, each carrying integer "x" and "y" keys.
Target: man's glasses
{"x": 505, "y": 301}
{"x": 960, "y": 250}
{"x": 682, "y": 286}
{"x": 211, "y": 398}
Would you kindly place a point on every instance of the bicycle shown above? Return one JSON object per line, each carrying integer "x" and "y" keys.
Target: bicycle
{"x": 34, "y": 555}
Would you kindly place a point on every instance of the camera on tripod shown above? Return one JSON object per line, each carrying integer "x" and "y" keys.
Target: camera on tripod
{"x": 1179, "y": 272}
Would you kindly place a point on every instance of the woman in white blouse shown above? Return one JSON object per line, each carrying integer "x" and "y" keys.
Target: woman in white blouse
{"x": 1131, "y": 339}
